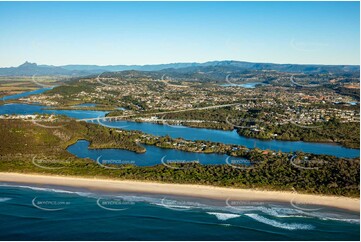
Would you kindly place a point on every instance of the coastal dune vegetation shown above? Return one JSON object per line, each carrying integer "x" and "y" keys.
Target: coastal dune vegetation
{"x": 23, "y": 140}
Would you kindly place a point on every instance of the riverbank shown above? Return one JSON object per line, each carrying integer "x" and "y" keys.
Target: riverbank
{"x": 200, "y": 191}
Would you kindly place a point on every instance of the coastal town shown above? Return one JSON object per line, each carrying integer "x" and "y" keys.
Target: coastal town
{"x": 141, "y": 94}
{"x": 267, "y": 109}
{"x": 180, "y": 121}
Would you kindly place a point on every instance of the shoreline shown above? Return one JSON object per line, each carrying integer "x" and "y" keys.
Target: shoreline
{"x": 260, "y": 139}
{"x": 186, "y": 190}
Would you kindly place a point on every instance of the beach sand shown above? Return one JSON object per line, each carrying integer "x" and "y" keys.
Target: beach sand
{"x": 198, "y": 191}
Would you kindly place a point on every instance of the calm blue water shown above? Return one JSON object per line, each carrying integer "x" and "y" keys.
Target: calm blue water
{"x": 58, "y": 213}
{"x": 232, "y": 137}
{"x": 25, "y": 94}
{"x": 48, "y": 213}
{"x": 153, "y": 156}
{"x": 227, "y": 137}
{"x": 15, "y": 108}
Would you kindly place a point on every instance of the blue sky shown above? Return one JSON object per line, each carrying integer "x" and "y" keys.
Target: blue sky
{"x": 104, "y": 33}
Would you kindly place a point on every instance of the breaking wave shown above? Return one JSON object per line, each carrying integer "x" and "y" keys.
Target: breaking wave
{"x": 4, "y": 199}
{"x": 224, "y": 216}
{"x": 222, "y": 213}
{"x": 291, "y": 226}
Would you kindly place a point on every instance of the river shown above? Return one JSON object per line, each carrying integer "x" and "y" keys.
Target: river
{"x": 227, "y": 137}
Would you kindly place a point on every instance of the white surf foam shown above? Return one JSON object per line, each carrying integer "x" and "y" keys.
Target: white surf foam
{"x": 4, "y": 199}
{"x": 347, "y": 220}
{"x": 226, "y": 225}
{"x": 173, "y": 206}
{"x": 224, "y": 216}
{"x": 178, "y": 204}
{"x": 84, "y": 194}
{"x": 281, "y": 212}
{"x": 277, "y": 224}
{"x": 274, "y": 211}
{"x": 219, "y": 212}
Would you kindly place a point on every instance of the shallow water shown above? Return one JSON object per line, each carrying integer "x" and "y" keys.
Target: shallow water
{"x": 153, "y": 156}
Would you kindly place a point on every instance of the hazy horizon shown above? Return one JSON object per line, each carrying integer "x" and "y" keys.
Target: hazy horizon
{"x": 120, "y": 64}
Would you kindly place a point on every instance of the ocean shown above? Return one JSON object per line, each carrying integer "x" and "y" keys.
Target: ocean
{"x": 34, "y": 212}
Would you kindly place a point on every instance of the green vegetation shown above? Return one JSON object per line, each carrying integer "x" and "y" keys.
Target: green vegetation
{"x": 17, "y": 84}
{"x": 24, "y": 140}
{"x": 347, "y": 134}
{"x": 279, "y": 107}
{"x": 24, "y": 137}
{"x": 332, "y": 131}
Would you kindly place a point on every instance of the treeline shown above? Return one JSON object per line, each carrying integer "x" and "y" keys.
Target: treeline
{"x": 347, "y": 134}
{"x": 104, "y": 138}
{"x": 339, "y": 177}
{"x": 267, "y": 170}
{"x": 353, "y": 92}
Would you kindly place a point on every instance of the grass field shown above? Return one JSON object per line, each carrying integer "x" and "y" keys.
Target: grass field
{"x": 14, "y": 85}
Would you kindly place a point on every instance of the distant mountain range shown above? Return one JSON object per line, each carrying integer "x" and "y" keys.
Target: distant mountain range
{"x": 28, "y": 69}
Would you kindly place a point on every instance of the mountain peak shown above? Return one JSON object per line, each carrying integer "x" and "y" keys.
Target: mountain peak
{"x": 28, "y": 64}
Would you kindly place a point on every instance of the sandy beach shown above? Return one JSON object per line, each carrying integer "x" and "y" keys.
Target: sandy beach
{"x": 200, "y": 191}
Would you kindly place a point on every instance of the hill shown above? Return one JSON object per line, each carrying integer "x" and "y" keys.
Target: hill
{"x": 28, "y": 68}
